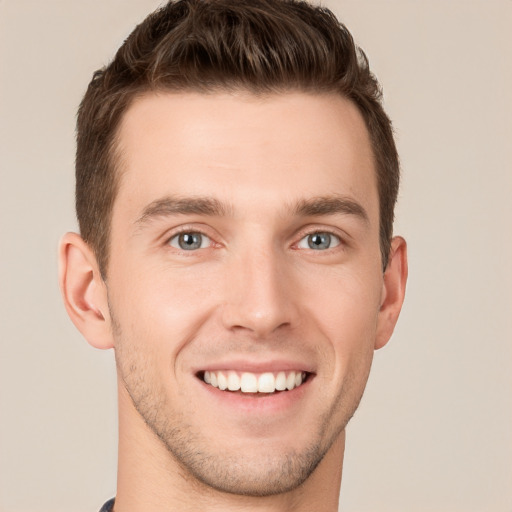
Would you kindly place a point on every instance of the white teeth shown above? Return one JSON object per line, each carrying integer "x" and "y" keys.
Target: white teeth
{"x": 252, "y": 383}
{"x": 281, "y": 381}
{"x": 249, "y": 383}
{"x": 266, "y": 383}
{"x": 290, "y": 381}
{"x": 222, "y": 381}
{"x": 233, "y": 381}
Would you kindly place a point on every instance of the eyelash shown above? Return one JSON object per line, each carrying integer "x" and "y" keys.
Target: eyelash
{"x": 190, "y": 231}
{"x": 337, "y": 240}
{"x": 303, "y": 236}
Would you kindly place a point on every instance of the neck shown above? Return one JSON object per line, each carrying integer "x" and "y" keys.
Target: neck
{"x": 149, "y": 478}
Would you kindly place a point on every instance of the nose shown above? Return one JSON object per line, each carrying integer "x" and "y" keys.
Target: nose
{"x": 260, "y": 295}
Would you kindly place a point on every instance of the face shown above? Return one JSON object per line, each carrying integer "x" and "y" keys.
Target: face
{"x": 245, "y": 279}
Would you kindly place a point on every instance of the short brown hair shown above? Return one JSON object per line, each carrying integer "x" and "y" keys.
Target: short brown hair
{"x": 261, "y": 46}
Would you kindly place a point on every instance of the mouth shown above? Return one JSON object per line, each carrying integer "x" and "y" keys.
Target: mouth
{"x": 254, "y": 384}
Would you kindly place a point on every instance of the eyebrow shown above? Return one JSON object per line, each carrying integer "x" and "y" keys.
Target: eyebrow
{"x": 331, "y": 205}
{"x": 312, "y": 207}
{"x": 183, "y": 206}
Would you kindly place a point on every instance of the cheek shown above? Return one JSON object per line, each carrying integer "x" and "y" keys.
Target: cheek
{"x": 161, "y": 308}
{"x": 346, "y": 313}
{"x": 346, "y": 302}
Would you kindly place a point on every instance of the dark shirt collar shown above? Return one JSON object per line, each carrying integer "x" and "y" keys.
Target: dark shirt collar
{"x": 108, "y": 506}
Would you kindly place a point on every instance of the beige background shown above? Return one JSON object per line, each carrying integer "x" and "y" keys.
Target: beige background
{"x": 434, "y": 431}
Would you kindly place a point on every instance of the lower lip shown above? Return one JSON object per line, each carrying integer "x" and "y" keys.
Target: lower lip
{"x": 258, "y": 402}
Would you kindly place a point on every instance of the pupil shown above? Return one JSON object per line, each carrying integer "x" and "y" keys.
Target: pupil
{"x": 190, "y": 241}
{"x": 320, "y": 241}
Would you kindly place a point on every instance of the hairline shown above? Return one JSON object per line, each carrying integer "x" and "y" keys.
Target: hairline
{"x": 115, "y": 156}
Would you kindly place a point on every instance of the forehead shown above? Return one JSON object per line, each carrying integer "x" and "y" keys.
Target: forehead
{"x": 244, "y": 149}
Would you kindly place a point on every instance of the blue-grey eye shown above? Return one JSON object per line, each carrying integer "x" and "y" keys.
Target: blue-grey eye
{"x": 319, "y": 241}
{"x": 189, "y": 241}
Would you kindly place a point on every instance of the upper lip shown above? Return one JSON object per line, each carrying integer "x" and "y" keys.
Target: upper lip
{"x": 251, "y": 366}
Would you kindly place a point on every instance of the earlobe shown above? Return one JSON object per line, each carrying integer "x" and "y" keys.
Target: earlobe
{"x": 393, "y": 291}
{"x": 84, "y": 291}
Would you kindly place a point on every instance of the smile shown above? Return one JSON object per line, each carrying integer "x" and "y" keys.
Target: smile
{"x": 248, "y": 382}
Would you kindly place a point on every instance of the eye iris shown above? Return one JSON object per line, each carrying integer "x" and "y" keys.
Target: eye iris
{"x": 190, "y": 241}
{"x": 319, "y": 241}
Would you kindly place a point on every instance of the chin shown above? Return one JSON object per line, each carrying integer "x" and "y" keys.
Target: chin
{"x": 259, "y": 475}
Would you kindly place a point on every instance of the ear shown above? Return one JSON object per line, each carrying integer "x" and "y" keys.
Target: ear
{"x": 84, "y": 291}
{"x": 393, "y": 291}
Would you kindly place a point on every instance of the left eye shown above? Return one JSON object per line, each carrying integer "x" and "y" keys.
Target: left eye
{"x": 189, "y": 241}
{"x": 319, "y": 241}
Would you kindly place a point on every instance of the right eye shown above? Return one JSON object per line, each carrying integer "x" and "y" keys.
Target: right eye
{"x": 190, "y": 241}
{"x": 319, "y": 241}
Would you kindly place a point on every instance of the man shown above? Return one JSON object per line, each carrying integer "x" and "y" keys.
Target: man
{"x": 236, "y": 181}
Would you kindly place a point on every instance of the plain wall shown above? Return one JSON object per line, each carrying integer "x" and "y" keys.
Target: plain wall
{"x": 434, "y": 430}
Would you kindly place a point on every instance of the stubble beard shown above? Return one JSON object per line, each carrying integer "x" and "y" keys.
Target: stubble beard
{"x": 268, "y": 474}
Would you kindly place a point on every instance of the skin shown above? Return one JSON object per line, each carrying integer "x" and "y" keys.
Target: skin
{"x": 254, "y": 296}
